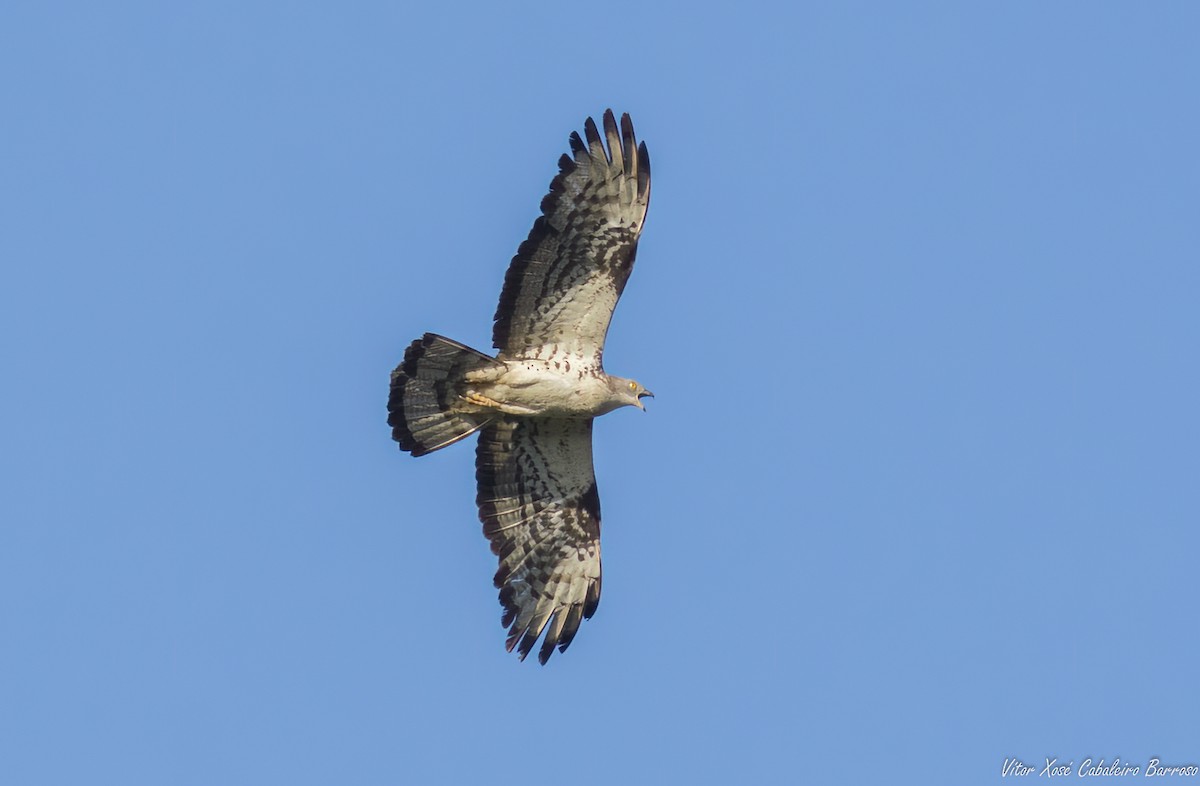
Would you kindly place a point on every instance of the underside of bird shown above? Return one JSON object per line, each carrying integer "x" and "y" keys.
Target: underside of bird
{"x": 534, "y": 403}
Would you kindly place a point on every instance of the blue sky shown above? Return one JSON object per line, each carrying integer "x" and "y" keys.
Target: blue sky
{"x": 917, "y": 295}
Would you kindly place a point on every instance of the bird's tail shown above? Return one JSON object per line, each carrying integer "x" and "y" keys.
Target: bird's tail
{"x": 426, "y": 391}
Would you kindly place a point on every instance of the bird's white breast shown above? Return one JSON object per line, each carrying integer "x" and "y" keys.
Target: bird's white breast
{"x": 548, "y": 387}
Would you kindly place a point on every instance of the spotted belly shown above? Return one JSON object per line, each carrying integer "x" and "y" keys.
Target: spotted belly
{"x": 540, "y": 387}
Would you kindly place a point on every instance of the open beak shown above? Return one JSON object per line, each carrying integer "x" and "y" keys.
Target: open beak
{"x": 641, "y": 396}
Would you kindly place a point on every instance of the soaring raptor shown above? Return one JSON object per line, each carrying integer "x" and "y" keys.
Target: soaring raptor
{"x": 533, "y": 404}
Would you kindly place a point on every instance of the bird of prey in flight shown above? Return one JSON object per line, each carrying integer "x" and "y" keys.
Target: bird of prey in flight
{"x": 534, "y": 402}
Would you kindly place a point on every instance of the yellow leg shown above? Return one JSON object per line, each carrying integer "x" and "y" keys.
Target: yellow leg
{"x": 481, "y": 400}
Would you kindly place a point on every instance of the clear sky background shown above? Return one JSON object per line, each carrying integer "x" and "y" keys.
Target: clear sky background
{"x": 918, "y": 296}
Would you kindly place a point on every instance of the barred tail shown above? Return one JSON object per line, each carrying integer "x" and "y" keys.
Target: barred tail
{"x": 425, "y": 388}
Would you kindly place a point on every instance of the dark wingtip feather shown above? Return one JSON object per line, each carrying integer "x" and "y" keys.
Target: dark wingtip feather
{"x": 615, "y": 152}
{"x": 577, "y": 145}
{"x": 590, "y": 132}
{"x": 629, "y": 142}
{"x": 643, "y": 167}
{"x": 592, "y": 602}
{"x": 594, "y": 141}
{"x": 510, "y": 608}
{"x": 527, "y": 642}
{"x": 501, "y": 575}
{"x": 570, "y": 627}
{"x": 553, "y": 630}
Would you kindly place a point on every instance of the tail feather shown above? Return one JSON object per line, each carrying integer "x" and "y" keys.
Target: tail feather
{"x": 425, "y": 390}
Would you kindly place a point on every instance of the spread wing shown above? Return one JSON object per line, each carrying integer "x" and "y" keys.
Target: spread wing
{"x": 540, "y": 510}
{"x": 563, "y": 284}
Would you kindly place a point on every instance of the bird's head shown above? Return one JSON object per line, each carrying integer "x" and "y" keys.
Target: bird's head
{"x": 629, "y": 391}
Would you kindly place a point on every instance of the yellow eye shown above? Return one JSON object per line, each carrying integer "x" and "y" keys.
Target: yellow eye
{"x": 633, "y": 386}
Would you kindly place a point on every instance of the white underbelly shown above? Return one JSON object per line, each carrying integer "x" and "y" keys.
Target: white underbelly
{"x": 535, "y": 387}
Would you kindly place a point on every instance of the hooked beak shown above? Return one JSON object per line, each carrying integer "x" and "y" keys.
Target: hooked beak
{"x": 641, "y": 396}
